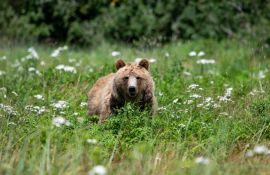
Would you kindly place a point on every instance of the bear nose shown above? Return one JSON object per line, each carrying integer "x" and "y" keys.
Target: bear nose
{"x": 132, "y": 89}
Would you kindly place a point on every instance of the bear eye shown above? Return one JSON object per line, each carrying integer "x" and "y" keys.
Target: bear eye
{"x": 126, "y": 78}
{"x": 138, "y": 78}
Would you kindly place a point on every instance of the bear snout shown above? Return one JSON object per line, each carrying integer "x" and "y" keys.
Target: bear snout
{"x": 132, "y": 91}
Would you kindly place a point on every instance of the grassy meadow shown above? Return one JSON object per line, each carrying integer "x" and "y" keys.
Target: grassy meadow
{"x": 213, "y": 117}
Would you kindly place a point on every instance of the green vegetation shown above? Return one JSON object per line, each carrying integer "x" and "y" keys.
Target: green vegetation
{"x": 88, "y": 22}
{"x": 218, "y": 111}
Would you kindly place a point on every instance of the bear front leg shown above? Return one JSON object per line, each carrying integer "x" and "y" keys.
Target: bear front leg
{"x": 154, "y": 105}
{"x": 104, "y": 114}
{"x": 150, "y": 101}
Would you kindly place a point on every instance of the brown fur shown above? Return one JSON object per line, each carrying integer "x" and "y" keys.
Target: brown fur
{"x": 112, "y": 91}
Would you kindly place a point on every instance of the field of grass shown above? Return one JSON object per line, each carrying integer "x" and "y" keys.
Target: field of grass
{"x": 213, "y": 117}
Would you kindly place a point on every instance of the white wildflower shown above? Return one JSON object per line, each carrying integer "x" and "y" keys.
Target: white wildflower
{"x": 8, "y": 109}
{"x": 188, "y": 102}
{"x": 224, "y": 113}
{"x": 60, "y": 104}
{"x": 201, "y": 53}
{"x": 34, "y": 70}
{"x": 183, "y": 110}
{"x": 193, "y": 86}
{"x": 16, "y": 64}
{"x": 3, "y": 58}
{"x": 260, "y": 149}
{"x": 229, "y": 92}
{"x": 181, "y": 125}
{"x": 91, "y": 70}
{"x": 42, "y": 63}
{"x": 261, "y": 75}
{"x": 206, "y": 61}
{"x": 57, "y": 51}
{"x": 249, "y": 153}
{"x": 192, "y": 54}
{"x": 83, "y": 104}
{"x": 152, "y": 60}
{"x": 227, "y": 95}
{"x": 208, "y": 99}
{"x": 137, "y": 60}
{"x": 36, "y": 109}
{"x": 162, "y": 108}
{"x": 31, "y": 69}
{"x": 92, "y": 141}
{"x": 175, "y": 100}
{"x": 202, "y": 160}
{"x": 33, "y": 53}
{"x": 200, "y": 105}
{"x": 98, "y": 170}
{"x": 160, "y": 94}
{"x": 115, "y": 53}
{"x": 216, "y": 105}
{"x": 64, "y": 48}
{"x": 67, "y": 123}
{"x": 255, "y": 92}
{"x": 167, "y": 54}
{"x": 186, "y": 73}
{"x": 14, "y": 93}
{"x": 64, "y": 68}
{"x": 75, "y": 113}
{"x": 59, "y": 121}
{"x": 195, "y": 96}
{"x": 2, "y": 72}
{"x": 39, "y": 97}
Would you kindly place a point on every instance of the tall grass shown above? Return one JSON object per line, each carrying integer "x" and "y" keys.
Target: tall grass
{"x": 198, "y": 115}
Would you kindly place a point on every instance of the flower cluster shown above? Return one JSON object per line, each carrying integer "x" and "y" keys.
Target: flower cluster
{"x": 258, "y": 150}
{"x": 36, "y": 109}
{"x": 34, "y": 70}
{"x": 205, "y": 61}
{"x": 202, "y": 160}
{"x": 65, "y": 68}
{"x": 194, "y": 53}
{"x": 32, "y": 54}
{"x": 92, "y": 141}
{"x": 98, "y": 170}
{"x": 8, "y": 109}
{"x": 115, "y": 53}
{"x": 39, "y": 97}
{"x": 227, "y": 96}
{"x": 60, "y": 121}
{"x": 57, "y": 51}
{"x": 83, "y": 104}
{"x": 60, "y": 104}
{"x": 2, "y": 73}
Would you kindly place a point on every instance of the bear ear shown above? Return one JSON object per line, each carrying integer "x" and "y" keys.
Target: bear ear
{"x": 144, "y": 63}
{"x": 119, "y": 64}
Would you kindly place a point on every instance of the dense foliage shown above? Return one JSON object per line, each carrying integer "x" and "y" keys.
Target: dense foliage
{"x": 88, "y": 22}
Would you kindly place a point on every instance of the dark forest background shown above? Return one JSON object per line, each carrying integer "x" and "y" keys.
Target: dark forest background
{"x": 88, "y": 22}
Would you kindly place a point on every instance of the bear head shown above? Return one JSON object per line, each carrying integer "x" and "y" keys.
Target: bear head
{"x": 132, "y": 80}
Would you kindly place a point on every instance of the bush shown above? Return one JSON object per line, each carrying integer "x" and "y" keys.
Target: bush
{"x": 88, "y": 22}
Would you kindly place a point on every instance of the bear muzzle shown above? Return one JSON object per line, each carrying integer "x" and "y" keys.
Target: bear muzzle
{"x": 132, "y": 91}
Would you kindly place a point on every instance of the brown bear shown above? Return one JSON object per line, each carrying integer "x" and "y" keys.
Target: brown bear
{"x": 131, "y": 83}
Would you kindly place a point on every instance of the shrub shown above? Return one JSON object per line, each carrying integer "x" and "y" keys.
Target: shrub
{"x": 88, "y": 22}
